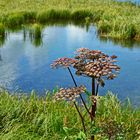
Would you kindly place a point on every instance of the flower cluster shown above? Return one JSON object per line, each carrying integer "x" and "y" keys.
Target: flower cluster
{"x": 95, "y": 98}
{"x": 95, "y": 64}
{"x": 63, "y": 62}
{"x": 91, "y": 63}
{"x": 69, "y": 94}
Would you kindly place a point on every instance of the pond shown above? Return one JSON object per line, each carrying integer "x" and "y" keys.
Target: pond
{"x": 25, "y": 63}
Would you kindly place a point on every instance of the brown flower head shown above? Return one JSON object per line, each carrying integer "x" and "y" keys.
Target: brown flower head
{"x": 69, "y": 94}
{"x": 63, "y": 62}
{"x": 96, "y": 64}
{"x": 94, "y": 98}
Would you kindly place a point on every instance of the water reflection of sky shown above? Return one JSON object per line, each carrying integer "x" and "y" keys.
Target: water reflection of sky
{"x": 26, "y": 67}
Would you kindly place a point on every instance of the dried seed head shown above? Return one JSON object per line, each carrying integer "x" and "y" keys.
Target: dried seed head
{"x": 94, "y": 63}
{"x": 63, "y": 62}
{"x": 69, "y": 94}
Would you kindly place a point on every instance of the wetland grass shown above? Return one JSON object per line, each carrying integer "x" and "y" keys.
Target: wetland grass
{"x": 35, "y": 34}
{"x": 113, "y": 19}
{"x": 2, "y": 31}
{"x": 32, "y": 117}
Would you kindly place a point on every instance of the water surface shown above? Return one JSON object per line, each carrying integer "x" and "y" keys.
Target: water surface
{"x": 25, "y": 63}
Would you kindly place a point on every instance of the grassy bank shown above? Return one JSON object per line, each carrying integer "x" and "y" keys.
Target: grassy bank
{"x": 113, "y": 19}
{"x": 34, "y": 118}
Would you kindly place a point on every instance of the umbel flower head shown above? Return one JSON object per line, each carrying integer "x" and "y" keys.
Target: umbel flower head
{"x": 69, "y": 94}
{"x": 63, "y": 62}
{"x": 91, "y": 63}
{"x": 96, "y": 64}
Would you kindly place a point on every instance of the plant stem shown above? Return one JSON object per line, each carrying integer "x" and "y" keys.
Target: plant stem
{"x": 93, "y": 94}
{"x": 80, "y": 94}
{"x": 97, "y": 89}
{"x": 82, "y": 119}
{"x": 93, "y": 109}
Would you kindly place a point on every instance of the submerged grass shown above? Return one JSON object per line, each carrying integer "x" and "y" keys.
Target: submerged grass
{"x": 113, "y": 19}
{"x": 39, "y": 118}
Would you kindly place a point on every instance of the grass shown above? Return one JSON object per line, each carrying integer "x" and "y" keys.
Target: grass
{"x": 2, "y": 31}
{"x": 40, "y": 118}
{"x": 113, "y": 19}
{"x": 35, "y": 34}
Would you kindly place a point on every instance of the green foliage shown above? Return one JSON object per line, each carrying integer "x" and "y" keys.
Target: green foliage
{"x": 117, "y": 121}
{"x": 37, "y": 30}
{"x": 80, "y": 14}
{"x": 35, "y": 34}
{"x": 2, "y": 30}
{"x": 119, "y": 20}
{"x": 32, "y": 117}
{"x": 15, "y": 20}
{"x": 52, "y": 14}
{"x": 29, "y": 17}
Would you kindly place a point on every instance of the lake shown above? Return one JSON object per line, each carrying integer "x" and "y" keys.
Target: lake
{"x": 25, "y": 63}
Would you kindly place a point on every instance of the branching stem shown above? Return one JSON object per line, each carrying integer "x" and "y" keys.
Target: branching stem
{"x": 80, "y": 94}
{"x": 82, "y": 119}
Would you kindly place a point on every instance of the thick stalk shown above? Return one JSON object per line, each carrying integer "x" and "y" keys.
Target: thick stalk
{"x": 82, "y": 119}
{"x": 80, "y": 94}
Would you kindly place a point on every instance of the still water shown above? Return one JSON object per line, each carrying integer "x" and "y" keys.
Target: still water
{"x": 25, "y": 63}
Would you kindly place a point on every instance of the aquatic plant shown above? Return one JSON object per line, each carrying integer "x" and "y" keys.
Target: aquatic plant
{"x": 80, "y": 14}
{"x": 35, "y": 34}
{"x": 2, "y": 31}
{"x": 52, "y": 14}
{"x": 15, "y": 20}
{"x": 90, "y": 63}
{"x": 113, "y": 19}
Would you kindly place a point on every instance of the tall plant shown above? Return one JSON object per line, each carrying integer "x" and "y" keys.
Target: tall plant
{"x": 89, "y": 63}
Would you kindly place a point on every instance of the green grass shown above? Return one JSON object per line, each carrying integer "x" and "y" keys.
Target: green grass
{"x": 36, "y": 34}
{"x": 40, "y": 118}
{"x": 113, "y": 19}
{"x": 2, "y": 31}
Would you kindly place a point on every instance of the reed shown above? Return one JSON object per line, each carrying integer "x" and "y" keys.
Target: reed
{"x": 2, "y": 31}
{"x": 35, "y": 34}
{"x": 45, "y": 16}
{"x": 14, "y": 20}
{"x": 37, "y": 31}
{"x": 80, "y": 14}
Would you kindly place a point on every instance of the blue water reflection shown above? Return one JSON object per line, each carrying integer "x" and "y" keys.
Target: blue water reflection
{"x": 25, "y": 67}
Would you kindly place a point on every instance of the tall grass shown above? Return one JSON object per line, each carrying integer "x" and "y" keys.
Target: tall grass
{"x": 32, "y": 117}
{"x": 35, "y": 34}
{"x": 113, "y": 19}
{"x": 2, "y": 31}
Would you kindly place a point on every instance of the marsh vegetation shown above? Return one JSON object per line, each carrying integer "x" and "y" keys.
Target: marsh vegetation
{"x": 113, "y": 19}
{"x": 35, "y": 118}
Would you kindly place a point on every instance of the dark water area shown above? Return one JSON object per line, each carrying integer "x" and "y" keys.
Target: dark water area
{"x": 25, "y": 63}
